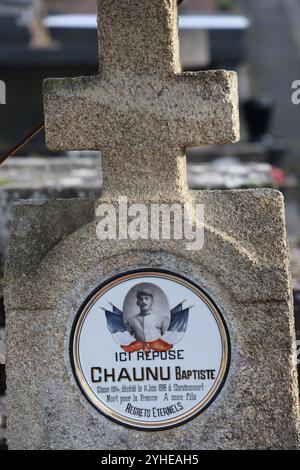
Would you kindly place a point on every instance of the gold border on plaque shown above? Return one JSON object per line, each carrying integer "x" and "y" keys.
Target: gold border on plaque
{"x": 153, "y": 425}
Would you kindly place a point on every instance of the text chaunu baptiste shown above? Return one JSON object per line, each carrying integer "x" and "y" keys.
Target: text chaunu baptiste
{"x": 140, "y": 374}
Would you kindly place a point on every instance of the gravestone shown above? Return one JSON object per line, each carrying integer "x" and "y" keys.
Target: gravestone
{"x": 107, "y": 339}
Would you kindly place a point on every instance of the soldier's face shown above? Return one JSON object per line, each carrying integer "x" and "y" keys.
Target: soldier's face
{"x": 145, "y": 303}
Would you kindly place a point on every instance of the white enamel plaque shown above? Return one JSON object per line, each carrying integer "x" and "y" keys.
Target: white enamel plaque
{"x": 150, "y": 349}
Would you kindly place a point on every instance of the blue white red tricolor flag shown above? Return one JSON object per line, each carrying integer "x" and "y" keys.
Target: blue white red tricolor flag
{"x": 174, "y": 334}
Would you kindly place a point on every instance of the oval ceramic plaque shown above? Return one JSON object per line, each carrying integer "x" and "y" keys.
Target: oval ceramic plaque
{"x": 150, "y": 349}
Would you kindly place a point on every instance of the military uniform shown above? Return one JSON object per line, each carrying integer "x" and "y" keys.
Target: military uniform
{"x": 147, "y": 327}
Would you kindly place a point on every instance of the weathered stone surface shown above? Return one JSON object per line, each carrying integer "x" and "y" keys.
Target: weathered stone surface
{"x": 243, "y": 266}
{"x": 188, "y": 110}
{"x": 58, "y": 216}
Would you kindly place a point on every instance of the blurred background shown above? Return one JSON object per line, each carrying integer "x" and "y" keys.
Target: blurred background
{"x": 260, "y": 39}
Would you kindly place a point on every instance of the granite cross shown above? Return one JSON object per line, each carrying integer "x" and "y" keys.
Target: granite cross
{"x": 141, "y": 111}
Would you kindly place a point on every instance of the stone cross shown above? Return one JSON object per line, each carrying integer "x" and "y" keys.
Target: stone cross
{"x": 141, "y": 111}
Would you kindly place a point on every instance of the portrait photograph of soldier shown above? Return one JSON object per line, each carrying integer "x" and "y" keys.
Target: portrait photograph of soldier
{"x": 146, "y": 312}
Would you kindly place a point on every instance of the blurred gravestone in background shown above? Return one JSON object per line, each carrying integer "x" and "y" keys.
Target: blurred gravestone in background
{"x": 40, "y": 36}
{"x": 30, "y": 13}
{"x": 258, "y": 114}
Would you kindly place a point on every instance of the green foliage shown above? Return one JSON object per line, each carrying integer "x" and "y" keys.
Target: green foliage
{"x": 4, "y": 181}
